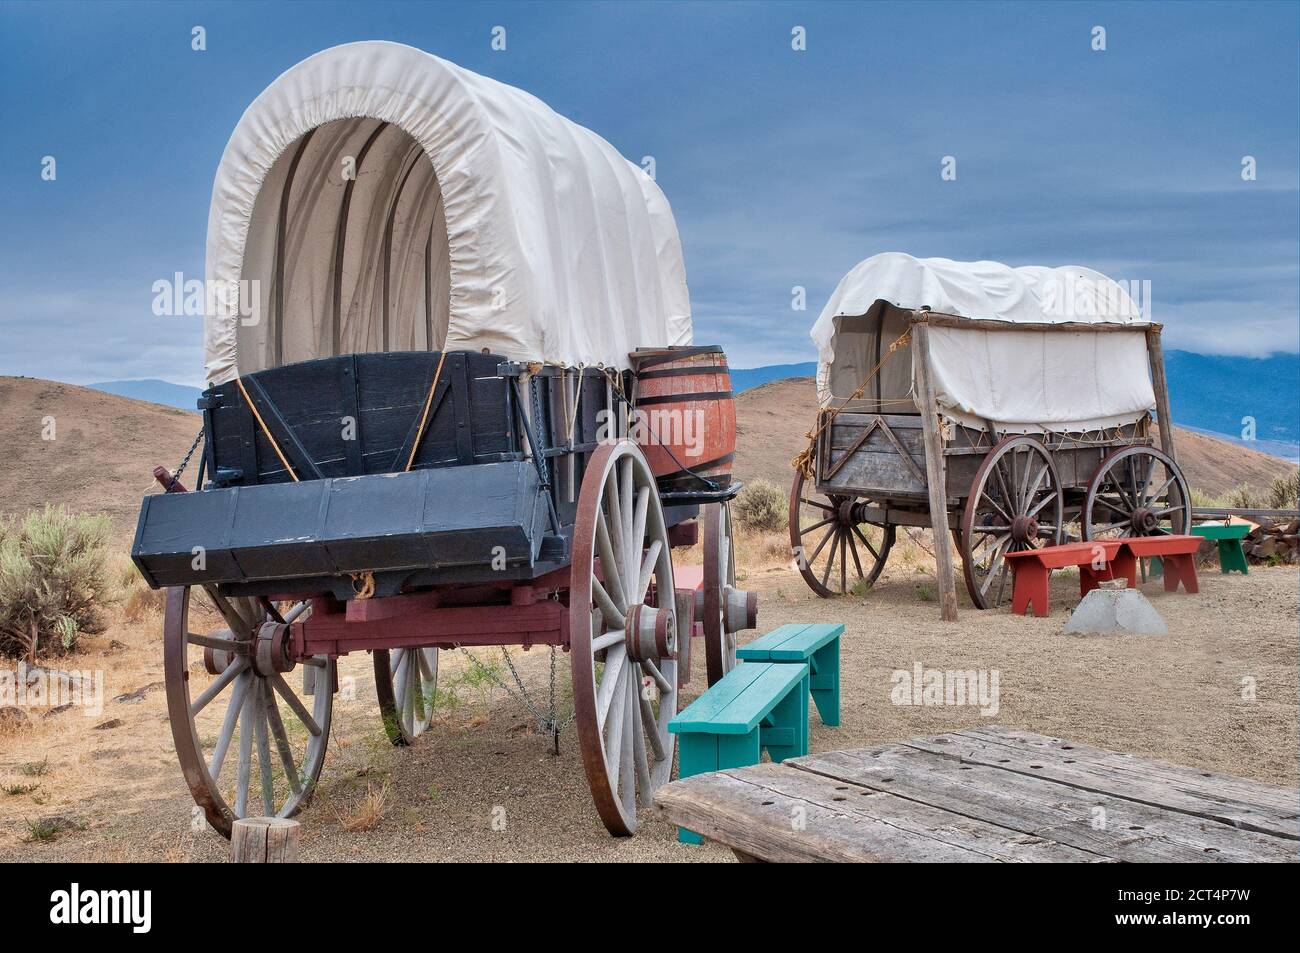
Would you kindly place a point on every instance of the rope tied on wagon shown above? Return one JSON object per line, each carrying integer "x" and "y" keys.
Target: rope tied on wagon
{"x": 803, "y": 462}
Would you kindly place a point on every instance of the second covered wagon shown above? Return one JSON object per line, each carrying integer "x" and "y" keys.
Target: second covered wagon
{"x": 1006, "y": 408}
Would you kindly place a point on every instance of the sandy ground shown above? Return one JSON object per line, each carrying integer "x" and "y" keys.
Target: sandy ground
{"x": 1180, "y": 697}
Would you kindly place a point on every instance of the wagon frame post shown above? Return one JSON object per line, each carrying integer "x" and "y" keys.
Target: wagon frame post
{"x": 935, "y": 469}
{"x": 1160, "y": 384}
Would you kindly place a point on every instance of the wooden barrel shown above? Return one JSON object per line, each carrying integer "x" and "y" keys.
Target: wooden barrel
{"x": 686, "y": 417}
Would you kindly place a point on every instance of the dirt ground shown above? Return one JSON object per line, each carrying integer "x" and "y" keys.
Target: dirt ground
{"x": 1183, "y": 697}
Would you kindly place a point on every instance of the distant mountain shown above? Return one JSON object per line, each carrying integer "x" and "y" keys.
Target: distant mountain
{"x": 154, "y": 391}
{"x": 1209, "y": 393}
{"x": 1215, "y": 394}
{"x": 747, "y": 378}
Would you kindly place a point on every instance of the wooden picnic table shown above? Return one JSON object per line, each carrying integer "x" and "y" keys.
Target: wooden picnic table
{"x": 986, "y": 794}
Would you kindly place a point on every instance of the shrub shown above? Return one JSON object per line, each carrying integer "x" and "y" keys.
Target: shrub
{"x": 1203, "y": 500}
{"x": 1284, "y": 491}
{"x": 53, "y": 581}
{"x": 138, "y": 600}
{"x": 761, "y": 505}
{"x": 1242, "y": 497}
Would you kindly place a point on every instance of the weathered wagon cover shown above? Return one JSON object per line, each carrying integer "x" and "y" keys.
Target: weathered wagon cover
{"x": 1028, "y": 380}
{"x": 386, "y": 199}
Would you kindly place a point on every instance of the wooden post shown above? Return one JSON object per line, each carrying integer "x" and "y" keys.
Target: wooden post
{"x": 264, "y": 840}
{"x": 935, "y": 471}
{"x": 1160, "y": 384}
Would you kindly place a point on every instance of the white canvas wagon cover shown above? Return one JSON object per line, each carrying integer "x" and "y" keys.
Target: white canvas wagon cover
{"x": 375, "y": 197}
{"x": 1028, "y": 380}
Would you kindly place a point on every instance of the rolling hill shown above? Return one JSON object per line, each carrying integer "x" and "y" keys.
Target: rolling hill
{"x": 105, "y": 447}
{"x": 102, "y": 454}
{"x": 153, "y": 390}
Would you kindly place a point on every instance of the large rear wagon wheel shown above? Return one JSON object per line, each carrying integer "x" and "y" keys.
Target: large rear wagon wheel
{"x": 1137, "y": 491}
{"x": 1015, "y": 503}
{"x": 406, "y": 681}
{"x": 279, "y": 751}
{"x": 622, "y": 635}
{"x": 835, "y": 548}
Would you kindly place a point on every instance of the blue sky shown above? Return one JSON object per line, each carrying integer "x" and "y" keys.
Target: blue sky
{"x": 784, "y": 168}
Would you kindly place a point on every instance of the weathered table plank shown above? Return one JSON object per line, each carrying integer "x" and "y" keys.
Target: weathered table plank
{"x": 1107, "y": 826}
{"x": 986, "y": 794}
{"x": 1249, "y": 805}
{"x": 777, "y": 814}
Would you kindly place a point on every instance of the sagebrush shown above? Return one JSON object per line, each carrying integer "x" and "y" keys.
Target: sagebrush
{"x": 761, "y": 505}
{"x": 54, "y": 581}
{"x": 1284, "y": 491}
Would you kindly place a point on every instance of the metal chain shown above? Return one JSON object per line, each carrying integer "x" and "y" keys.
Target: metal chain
{"x": 176, "y": 474}
{"x": 546, "y": 721}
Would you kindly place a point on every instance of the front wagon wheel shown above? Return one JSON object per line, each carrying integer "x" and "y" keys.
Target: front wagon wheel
{"x": 836, "y": 549}
{"x": 249, "y": 743}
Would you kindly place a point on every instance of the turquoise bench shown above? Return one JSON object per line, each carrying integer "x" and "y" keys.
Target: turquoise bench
{"x": 817, "y": 646}
{"x": 756, "y": 707}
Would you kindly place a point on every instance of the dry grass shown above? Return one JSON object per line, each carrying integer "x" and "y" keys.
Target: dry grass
{"x": 367, "y": 814}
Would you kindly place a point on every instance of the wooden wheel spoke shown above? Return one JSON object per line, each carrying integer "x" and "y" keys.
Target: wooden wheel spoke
{"x": 648, "y": 568}
{"x": 650, "y": 726}
{"x": 244, "y": 770}
{"x": 277, "y": 680}
{"x": 608, "y": 639}
{"x": 225, "y": 645}
{"x": 609, "y": 683}
{"x": 853, "y": 547}
{"x": 281, "y": 740}
{"x": 608, "y": 609}
{"x": 609, "y": 566}
{"x": 875, "y": 554}
{"x": 260, "y": 736}
{"x": 232, "y": 671}
{"x": 816, "y": 552}
{"x": 229, "y": 724}
{"x": 818, "y": 525}
{"x": 830, "y": 562}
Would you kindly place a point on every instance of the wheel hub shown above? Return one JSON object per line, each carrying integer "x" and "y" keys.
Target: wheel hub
{"x": 1144, "y": 521}
{"x": 1024, "y": 529}
{"x": 650, "y": 633}
{"x": 271, "y": 654}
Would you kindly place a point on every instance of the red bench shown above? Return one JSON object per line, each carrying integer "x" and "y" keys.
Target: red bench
{"x": 1178, "y": 553}
{"x": 1100, "y": 560}
{"x": 1097, "y": 561}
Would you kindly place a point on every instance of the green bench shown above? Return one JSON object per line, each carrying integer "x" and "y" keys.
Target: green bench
{"x": 1232, "y": 558}
{"x": 817, "y": 646}
{"x": 756, "y": 707}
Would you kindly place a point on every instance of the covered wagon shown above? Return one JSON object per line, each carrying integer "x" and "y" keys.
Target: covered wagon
{"x": 1006, "y": 408}
{"x": 440, "y": 314}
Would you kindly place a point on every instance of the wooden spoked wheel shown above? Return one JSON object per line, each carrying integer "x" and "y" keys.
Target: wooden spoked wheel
{"x": 247, "y": 742}
{"x": 1137, "y": 491}
{"x": 406, "y": 681}
{"x": 834, "y": 546}
{"x": 622, "y": 635}
{"x": 1015, "y": 503}
{"x": 719, "y": 581}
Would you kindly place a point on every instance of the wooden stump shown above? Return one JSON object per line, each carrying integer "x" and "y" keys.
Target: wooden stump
{"x": 264, "y": 840}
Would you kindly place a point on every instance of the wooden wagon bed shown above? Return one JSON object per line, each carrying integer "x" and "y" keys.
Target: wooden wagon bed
{"x": 986, "y": 794}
